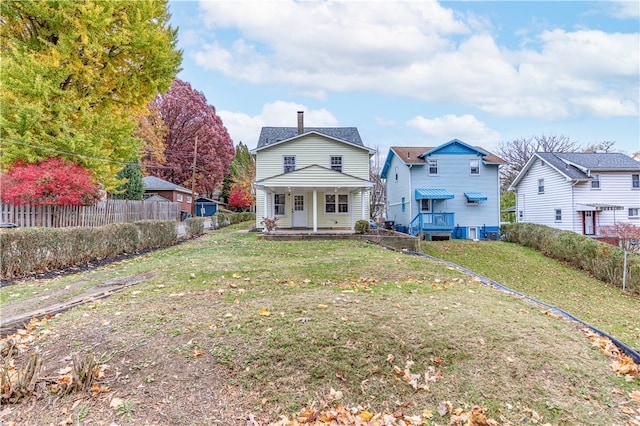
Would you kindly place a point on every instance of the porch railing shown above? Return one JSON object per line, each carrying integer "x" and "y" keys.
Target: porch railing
{"x": 425, "y": 221}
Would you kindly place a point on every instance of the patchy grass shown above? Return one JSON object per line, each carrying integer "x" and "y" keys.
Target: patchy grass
{"x": 232, "y": 326}
{"x": 529, "y": 272}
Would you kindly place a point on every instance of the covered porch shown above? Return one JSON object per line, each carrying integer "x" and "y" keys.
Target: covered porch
{"x": 297, "y": 204}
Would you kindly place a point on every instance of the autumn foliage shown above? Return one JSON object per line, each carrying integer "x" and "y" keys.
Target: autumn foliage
{"x": 53, "y": 181}
{"x": 627, "y": 234}
{"x": 187, "y": 116}
{"x": 240, "y": 197}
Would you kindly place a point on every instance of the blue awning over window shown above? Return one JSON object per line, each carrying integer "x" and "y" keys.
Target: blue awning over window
{"x": 475, "y": 196}
{"x": 433, "y": 194}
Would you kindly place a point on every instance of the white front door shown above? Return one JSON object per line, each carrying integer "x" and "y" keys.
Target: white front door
{"x": 473, "y": 233}
{"x": 589, "y": 223}
{"x": 299, "y": 212}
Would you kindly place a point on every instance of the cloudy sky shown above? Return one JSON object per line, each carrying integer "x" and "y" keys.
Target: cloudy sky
{"x": 419, "y": 73}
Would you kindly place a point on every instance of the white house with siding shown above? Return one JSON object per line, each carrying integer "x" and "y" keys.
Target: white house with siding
{"x": 579, "y": 192}
{"x": 312, "y": 177}
{"x": 451, "y": 190}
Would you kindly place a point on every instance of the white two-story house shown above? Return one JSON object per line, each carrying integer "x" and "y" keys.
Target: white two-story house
{"x": 312, "y": 177}
{"x": 578, "y": 192}
{"x": 448, "y": 191}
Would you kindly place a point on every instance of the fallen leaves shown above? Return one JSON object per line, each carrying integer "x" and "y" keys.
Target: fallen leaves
{"x": 621, "y": 364}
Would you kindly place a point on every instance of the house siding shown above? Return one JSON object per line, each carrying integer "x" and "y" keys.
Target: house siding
{"x": 615, "y": 189}
{"x": 397, "y": 190}
{"x": 540, "y": 208}
{"x": 312, "y": 150}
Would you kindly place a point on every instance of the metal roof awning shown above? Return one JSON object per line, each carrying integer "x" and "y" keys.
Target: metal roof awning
{"x": 475, "y": 196}
{"x": 597, "y": 207}
{"x": 433, "y": 194}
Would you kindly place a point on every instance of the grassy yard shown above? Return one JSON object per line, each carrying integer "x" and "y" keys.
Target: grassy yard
{"x": 231, "y": 329}
{"x": 531, "y": 273}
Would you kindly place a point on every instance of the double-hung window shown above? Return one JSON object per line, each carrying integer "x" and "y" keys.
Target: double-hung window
{"x": 635, "y": 181}
{"x": 634, "y": 212}
{"x": 336, "y": 203}
{"x": 540, "y": 186}
{"x": 289, "y": 163}
{"x": 433, "y": 167}
{"x": 474, "y": 167}
{"x": 189, "y": 199}
{"x": 595, "y": 183}
{"x": 179, "y": 197}
{"x": 558, "y": 215}
{"x": 278, "y": 204}
{"x": 336, "y": 163}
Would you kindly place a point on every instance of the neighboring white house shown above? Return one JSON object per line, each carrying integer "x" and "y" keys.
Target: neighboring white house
{"x": 312, "y": 177}
{"x": 451, "y": 190}
{"x": 579, "y": 192}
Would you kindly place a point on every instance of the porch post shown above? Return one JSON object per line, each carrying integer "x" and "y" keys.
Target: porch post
{"x": 362, "y": 199}
{"x": 315, "y": 210}
{"x": 266, "y": 198}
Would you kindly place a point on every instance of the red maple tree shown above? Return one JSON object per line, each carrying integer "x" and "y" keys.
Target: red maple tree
{"x": 54, "y": 181}
{"x": 187, "y": 116}
{"x": 627, "y": 234}
{"x": 239, "y": 197}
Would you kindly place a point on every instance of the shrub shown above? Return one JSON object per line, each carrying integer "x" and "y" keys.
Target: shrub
{"x": 270, "y": 223}
{"x": 156, "y": 233}
{"x": 194, "y": 226}
{"x": 362, "y": 226}
{"x": 603, "y": 261}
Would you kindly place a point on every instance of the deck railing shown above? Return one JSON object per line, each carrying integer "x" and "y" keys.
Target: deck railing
{"x": 428, "y": 221}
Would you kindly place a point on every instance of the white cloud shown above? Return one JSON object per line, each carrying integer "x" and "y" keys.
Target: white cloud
{"x": 625, "y": 9}
{"x": 246, "y": 129}
{"x": 421, "y": 50}
{"x": 464, "y": 127}
{"x": 384, "y": 122}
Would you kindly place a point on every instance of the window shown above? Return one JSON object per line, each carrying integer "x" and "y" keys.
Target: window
{"x": 289, "y": 163}
{"x": 558, "y": 215}
{"x": 189, "y": 199}
{"x": 433, "y": 167}
{"x": 474, "y": 167}
{"x": 278, "y": 204}
{"x": 336, "y": 163}
{"x": 396, "y": 173}
{"x": 402, "y": 203}
{"x": 634, "y": 212}
{"x": 336, "y": 203}
{"x": 425, "y": 205}
{"x": 179, "y": 197}
{"x": 540, "y": 186}
{"x": 473, "y": 202}
{"x": 635, "y": 181}
{"x": 595, "y": 183}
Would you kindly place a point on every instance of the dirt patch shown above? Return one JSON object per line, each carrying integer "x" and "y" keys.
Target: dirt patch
{"x": 54, "y": 301}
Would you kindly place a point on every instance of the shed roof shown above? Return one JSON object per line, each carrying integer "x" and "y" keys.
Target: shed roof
{"x": 153, "y": 183}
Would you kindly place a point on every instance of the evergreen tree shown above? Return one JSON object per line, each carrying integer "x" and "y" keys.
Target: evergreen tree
{"x": 74, "y": 76}
{"x": 133, "y": 188}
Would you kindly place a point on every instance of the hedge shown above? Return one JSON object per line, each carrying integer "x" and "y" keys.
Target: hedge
{"x": 26, "y": 251}
{"x": 602, "y": 260}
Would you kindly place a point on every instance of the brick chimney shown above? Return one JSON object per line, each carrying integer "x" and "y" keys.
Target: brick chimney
{"x": 300, "y": 122}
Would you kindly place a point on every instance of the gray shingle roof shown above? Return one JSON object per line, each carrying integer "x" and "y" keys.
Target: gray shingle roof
{"x": 566, "y": 162}
{"x": 152, "y": 183}
{"x": 271, "y": 135}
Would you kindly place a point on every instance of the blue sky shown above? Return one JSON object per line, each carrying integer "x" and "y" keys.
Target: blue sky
{"x": 419, "y": 73}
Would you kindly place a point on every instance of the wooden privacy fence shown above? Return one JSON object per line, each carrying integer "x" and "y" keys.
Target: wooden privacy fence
{"x": 103, "y": 213}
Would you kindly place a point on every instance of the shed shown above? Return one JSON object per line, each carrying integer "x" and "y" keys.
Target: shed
{"x": 206, "y": 206}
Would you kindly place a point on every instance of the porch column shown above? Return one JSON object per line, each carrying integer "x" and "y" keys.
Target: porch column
{"x": 265, "y": 195}
{"x": 362, "y": 200}
{"x": 315, "y": 210}
{"x": 351, "y": 215}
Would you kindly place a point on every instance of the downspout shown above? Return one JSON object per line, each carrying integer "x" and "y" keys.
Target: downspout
{"x": 409, "y": 197}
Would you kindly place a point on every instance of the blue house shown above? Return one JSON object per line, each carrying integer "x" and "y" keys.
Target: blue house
{"x": 448, "y": 191}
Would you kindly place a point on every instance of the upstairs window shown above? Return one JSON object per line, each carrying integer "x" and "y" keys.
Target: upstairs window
{"x": 278, "y": 204}
{"x": 336, "y": 163}
{"x": 635, "y": 181}
{"x": 433, "y": 167}
{"x": 595, "y": 183}
{"x": 189, "y": 199}
{"x": 396, "y": 173}
{"x": 289, "y": 163}
{"x": 540, "y": 186}
{"x": 474, "y": 167}
{"x": 179, "y": 197}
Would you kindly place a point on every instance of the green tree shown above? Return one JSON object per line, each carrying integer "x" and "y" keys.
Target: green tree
{"x": 243, "y": 173}
{"x": 133, "y": 188}
{"x": 74, "y": 76}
